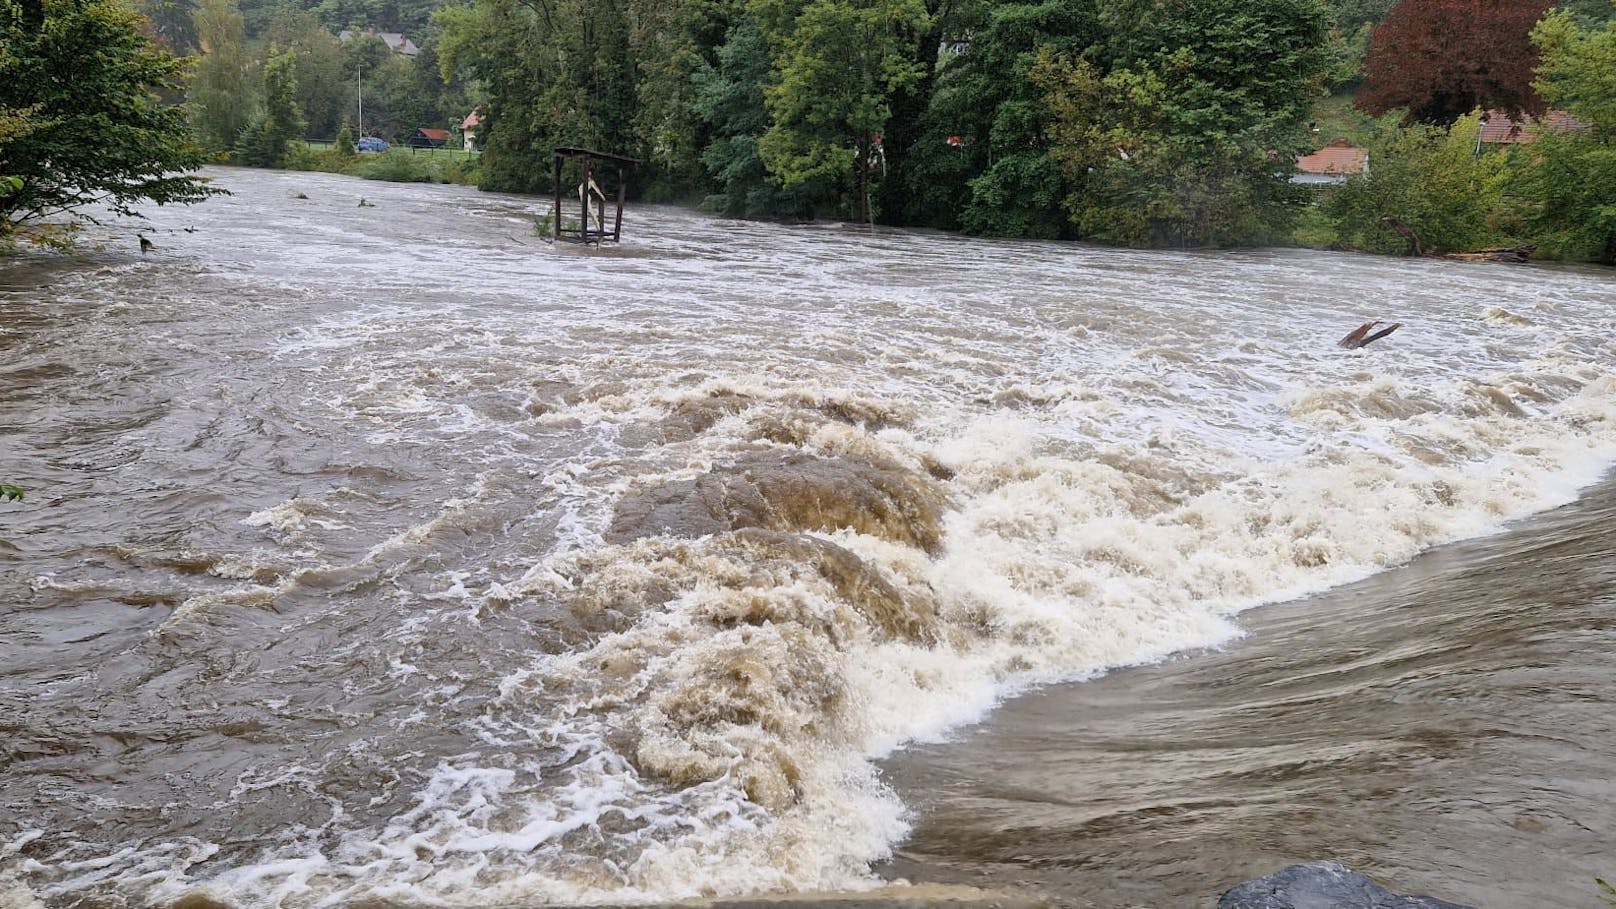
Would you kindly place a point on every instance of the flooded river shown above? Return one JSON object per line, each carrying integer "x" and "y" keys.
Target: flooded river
{"x": 388, "y": 555}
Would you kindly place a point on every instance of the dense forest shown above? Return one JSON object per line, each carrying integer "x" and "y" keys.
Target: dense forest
{"x": 1137, "y": 122}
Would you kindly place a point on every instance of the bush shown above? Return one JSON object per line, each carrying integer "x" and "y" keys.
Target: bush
{"x": 1431, "y": 181}
{"x": 345, "y": 144}
{"x": 398, "y": 166}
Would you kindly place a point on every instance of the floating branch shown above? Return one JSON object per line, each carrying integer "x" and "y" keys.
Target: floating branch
{"x": 1361, "y": 337}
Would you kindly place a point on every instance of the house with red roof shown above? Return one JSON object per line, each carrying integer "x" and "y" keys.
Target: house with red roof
{"x": 1335, "y": 163}
{"x": 1498, "y": 128}
{"x": 428, "y": 137}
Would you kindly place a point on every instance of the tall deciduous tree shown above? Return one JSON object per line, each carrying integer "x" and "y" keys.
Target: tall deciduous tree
{"x": 837, "y": 65}
{"x": 222, "y": 96}
{"x": 984, "y": 163}
{"x": 729, "y": 102}
{"x": 1442, "y": 59}
{"x": 264, "y": 142}
{"x": 322, "y": 92}
{"x": 81, "y": 117}
{"x": 1571, "y": 176}
{"x": 1188, "y": 137}
{"x": 173, "y": 22}
{"x": 558, "y": 72}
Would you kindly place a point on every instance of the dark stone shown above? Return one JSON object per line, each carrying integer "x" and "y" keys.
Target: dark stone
{"x": 1322, "y": 885}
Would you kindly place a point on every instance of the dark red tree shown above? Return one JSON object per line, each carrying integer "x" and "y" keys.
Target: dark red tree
{"x": 1442, "y": 59}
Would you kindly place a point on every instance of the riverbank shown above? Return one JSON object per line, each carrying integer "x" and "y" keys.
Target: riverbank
{"x": 396, "y": 165}
{"x": 1313, "y": 230}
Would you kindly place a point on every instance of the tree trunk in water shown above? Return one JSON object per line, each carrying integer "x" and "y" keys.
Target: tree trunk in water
{"x": 1407, "y": 234}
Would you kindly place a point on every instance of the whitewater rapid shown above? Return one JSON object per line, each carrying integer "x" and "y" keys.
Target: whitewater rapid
{"x": 461, "y": 569}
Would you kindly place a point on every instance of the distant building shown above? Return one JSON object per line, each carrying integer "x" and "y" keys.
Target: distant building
{"x": 1335, "y": 163}
{"x": 468, "y": 129}
{"x": 395, "y": 41}
{"x": 426, "y": 137}
{"x": 1498, "y": 128}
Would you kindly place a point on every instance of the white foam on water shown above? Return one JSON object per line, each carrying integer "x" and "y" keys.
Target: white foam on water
{"x": 1135, "y": 448}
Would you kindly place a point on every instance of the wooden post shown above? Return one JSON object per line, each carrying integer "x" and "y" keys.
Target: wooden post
{"x": 622, "y": 188}
{"x": 555, "y": 228}
{"x": 591, "y": 195}
{"x": 583, "y": 202}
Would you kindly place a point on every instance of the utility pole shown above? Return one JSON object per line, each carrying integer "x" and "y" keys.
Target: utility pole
{"x": 361, "y": 99}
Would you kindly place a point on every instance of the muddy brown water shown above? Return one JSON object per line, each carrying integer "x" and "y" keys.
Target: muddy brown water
{"x": 1445, "y": 727}
{"x": 388, "y": 554}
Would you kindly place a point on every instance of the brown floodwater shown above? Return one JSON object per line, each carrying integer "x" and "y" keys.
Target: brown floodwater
{"x": 1445, "y": 727}
{"x": 388, "y": 554}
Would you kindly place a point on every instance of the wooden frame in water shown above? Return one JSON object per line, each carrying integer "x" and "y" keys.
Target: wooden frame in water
{"x": 590, "y": 195}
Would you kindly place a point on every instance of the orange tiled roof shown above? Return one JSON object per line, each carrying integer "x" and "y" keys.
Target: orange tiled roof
{"x": 1334, "y": 159}
{"x": 1499, "y": 129}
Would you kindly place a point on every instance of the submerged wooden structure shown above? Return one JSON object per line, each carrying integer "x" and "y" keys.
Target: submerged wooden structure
{"x": 593, "y": 165}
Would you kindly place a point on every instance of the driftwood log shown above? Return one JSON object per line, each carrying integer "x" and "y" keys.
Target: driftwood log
{"x": 1365, "y": 334}
{"x": 1509, "y": 255}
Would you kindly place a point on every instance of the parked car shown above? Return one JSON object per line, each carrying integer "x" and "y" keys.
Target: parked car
{"x": 372, "y": 144}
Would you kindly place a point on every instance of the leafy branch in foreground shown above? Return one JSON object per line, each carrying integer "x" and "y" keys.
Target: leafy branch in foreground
{"x": 83, "y": 121}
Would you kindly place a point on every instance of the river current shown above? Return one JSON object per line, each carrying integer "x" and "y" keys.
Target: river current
{"x": 388, "y": 554}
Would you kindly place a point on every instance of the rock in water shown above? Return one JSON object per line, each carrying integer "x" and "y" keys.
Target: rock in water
{"x": 1322, "y": 885}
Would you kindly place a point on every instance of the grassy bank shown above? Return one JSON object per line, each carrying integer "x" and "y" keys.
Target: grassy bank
{"x": 397, "y": 165}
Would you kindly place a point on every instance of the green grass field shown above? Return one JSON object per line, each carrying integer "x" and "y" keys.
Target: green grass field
{"x": 453, "y": 154}
{"x": 1336, "y": 118}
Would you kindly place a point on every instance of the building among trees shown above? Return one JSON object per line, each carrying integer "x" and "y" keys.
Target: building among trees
{"x": 397, "y": 42}
{"x": 1333, "y": 164}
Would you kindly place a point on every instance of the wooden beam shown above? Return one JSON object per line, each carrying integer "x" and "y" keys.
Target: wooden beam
{"x": 622, "y": 189}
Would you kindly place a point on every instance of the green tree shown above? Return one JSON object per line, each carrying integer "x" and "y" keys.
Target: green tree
{"x": 265, "y": 140}
{"x": 837, "y": 65}
{"x": 1589, "y": 13}
{"x": 984, "y": 162}
{"x": 729, "y": 101}
{"x": 344, "y": 145}
{"x": 322, "y": 92}
{"x": 221, "y": 92}
{"x": 1426, "y": 191}
{"x": 560, "y": 73}
{"x": 1187, "y": 138}
{"x": 173, "y": 22}
{"x": 1577, "y": 71}
{"x": 80, "y": 89}
{"x": 1570, "y": 178}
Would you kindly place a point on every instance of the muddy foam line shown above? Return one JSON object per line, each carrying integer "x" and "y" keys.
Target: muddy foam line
{"x": 808, "y": 582}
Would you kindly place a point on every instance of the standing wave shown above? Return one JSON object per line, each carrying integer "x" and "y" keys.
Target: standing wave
{"x": 807, "y": 581}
